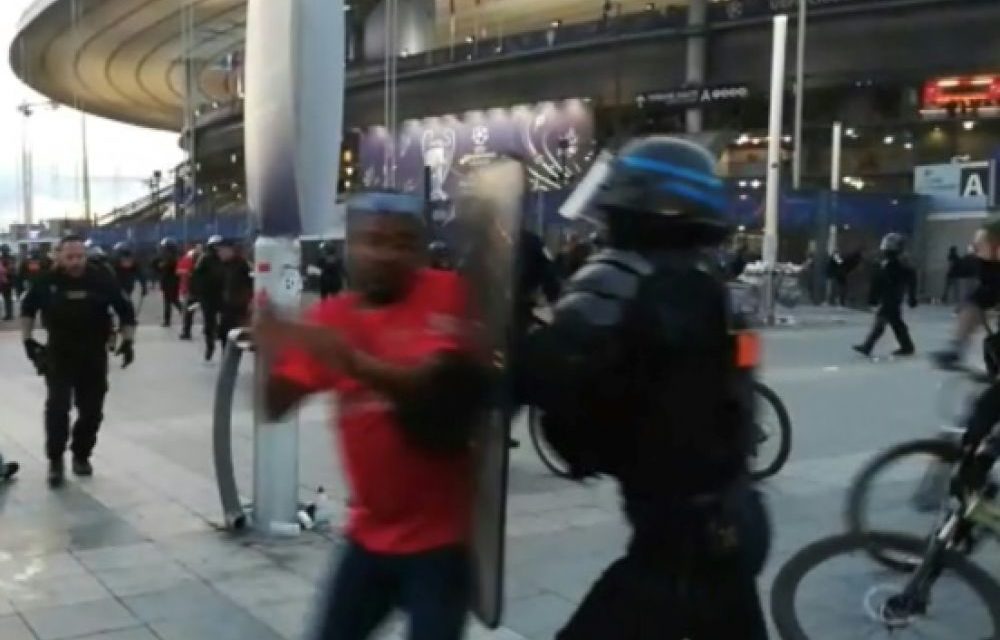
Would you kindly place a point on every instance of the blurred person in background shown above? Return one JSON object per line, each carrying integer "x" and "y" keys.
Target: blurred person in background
{"x": 185, "y": 269}
{"x": 208, "y": 283}
{"x": 237, "y": 289}
{"x": 165, "y": 268}
{"x": 8, "y": 277}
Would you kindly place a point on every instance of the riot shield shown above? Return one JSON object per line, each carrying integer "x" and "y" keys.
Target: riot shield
{"x": 488, "y": 222}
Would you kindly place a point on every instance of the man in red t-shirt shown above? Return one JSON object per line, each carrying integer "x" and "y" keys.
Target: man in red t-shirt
{"x": 397, "y": 352}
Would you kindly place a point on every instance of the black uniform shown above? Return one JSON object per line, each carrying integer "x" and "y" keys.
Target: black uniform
{"x": 331, "y": 276}
{"x": 30, "y": 269}
{"x": 128, "y": 273}
{"x": 8, "y": 279}
{"x": 76, "y": 314}
{"x": 893, "y": 282}
{"x": 165, "y": 268}
{"x": 637, "y": 377}
{"x": 207, "y": 284}
{"x": 237, "y": 292}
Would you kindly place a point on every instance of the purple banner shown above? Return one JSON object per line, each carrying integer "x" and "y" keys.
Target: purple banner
{"x": 554, "y": 139}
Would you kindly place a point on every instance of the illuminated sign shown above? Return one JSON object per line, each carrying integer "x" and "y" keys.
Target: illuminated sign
{"x": 694, "y": 96}
{"x": 962, "y": 93}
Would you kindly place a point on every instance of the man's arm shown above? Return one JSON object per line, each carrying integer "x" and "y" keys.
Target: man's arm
{"x": 123, "y": 308}
{"x": 31, "y": 306}
{"x": 280, "y": 396}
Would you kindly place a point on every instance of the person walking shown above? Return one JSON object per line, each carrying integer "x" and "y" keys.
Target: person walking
{"x": 893, "y": 283}
{"x": 8, "y": 277}
{"x": 237, "y": 290}
{"x": 74, "y": 300}
{"x": 185, "y": 270}
{"x": 165, "y": 266}
{"x": 207, "y": 285}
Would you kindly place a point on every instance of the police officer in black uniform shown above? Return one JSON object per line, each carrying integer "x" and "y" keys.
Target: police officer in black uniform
{"x": 97, "y": 257}
{"x": 165, "y": 268}
{"x": 34, "y": 266}
{"x": 638, "y": 378}
{"x": 8, "y": 278}
{"x": 207, "y": 285}
{"x": 74, "y": 300}
{"x": 893, "y": 282}
{"x": 127, "y": 270}
{"x": 439, "y": 256}
{"x": 237, "y": 289}
{"x": 331, "y": 271}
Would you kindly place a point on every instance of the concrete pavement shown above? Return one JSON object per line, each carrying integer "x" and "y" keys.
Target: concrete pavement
{"x": 135, "y": 553}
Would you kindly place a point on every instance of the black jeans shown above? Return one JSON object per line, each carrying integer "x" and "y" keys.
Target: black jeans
{"x": 210, "y": 316}
{"x": 893, "y": 317}
{"x": 171, "y": 301}
{"x": 8, "y": 302}
{"x": 431, "y": 587}
{"x": 230, "y": 317}
{"x": 79, "y": 379}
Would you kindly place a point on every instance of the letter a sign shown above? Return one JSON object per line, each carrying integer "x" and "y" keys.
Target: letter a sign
{"x": 975, "y": 182}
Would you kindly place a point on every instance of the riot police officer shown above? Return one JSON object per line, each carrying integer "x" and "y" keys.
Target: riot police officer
{"x": 165, "y": 267}
{"x": 96, "y": 256}
{"x": 74, "y": 300}
{"x": 127, "y": 270}
{"x": 893, "y": 282}
{"x": 638, "y": 378}
{"x": 331, "y": 272}
{"x": 8, "y": 277}
{"x": 237, "y": 289}
{"x": 34, "y": 266}
{"x": 207, "y": 285}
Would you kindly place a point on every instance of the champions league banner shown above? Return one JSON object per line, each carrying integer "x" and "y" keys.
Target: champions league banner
{"x": 555, "y": 140}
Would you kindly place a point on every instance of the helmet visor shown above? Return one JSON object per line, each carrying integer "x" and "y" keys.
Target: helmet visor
{"x": 580, "y": 203}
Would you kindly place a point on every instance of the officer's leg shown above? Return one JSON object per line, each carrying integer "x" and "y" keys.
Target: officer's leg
{"x": 59, "y": 393}
{"x": 187, "y": 320}
{"x": 167, "y": 305}
{"x": 8, "y": 304}
{"x": 210, "y": 315}
{"x": 611, "y": 608}
{"x": 901, "y": 331}
{"x": 435, "y": 593}
{"x": 878, "y": 328}
{"x": 90, "y": 388}
{"x": 361, "y": 594}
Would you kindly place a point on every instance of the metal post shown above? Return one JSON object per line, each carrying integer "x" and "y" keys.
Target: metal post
{"x": 27, "y": 169}
{"x": 835, "y": 149}
{"x": 290, "y": 192}
{"x": 695, "y": 73}
{"x": 800, "y": 63}
{"x": 773, "y": 188}
{"x": 88, "y": 213}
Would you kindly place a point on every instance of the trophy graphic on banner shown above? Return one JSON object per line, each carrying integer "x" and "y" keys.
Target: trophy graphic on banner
{"x": 438, "y": 147}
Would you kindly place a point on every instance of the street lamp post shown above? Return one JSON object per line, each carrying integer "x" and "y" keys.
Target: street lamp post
{"x": 27, "y": 109}
{"x": 800, "y": 61}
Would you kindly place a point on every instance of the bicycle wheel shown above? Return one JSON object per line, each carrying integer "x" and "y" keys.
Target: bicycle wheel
{"x": 915, "y": 477}
{"x": 824, "y": 616}
{"x": 549, "y": 457}
{"x": 773, "y": 427}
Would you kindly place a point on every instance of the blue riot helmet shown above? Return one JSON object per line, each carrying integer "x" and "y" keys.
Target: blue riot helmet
{"x": 657, "y": 190}
{"x": 168, "y": 244}
{"x": 123, "y": 249}
{"x": 214, "y": 241}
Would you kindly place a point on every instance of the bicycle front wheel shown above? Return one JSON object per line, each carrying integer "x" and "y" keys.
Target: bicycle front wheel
{"x": 773, "y": 433}
{"x": 903, "y": 489}
{"x": 552, "y": 461}
{"x": 851, "y": 600}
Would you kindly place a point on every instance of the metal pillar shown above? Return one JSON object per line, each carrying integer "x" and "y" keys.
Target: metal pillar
{"x": 835, "y": 149}
{"x": 773, "y": 187}
{"x": 800, "y": 63}
{"x": 695, "y": 69}
{"x": 293, "y": 129}
{"x": 88, "y": 213}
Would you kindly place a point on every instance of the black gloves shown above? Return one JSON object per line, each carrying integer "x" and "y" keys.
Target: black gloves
{"x": 127, "y": 351}
{"x": 36, "y": 354}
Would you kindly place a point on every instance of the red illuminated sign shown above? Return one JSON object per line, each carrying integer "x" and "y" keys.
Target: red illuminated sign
{"x": 964, "y": 92}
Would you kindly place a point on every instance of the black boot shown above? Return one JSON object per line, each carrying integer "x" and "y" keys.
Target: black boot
{"x": 57, "y": 473}
{"x": 82, "y": 467}
{"x": 209, "y": 351}
{"x": 862, "y": 350}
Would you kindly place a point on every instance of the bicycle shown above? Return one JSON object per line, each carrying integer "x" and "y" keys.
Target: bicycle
{"x": 933, "y": 458}
{"x": 939, "y": 559}
{"x": 764, "y": 462}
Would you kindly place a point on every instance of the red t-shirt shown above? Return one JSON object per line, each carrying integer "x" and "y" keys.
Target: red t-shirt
{"x": 403, "y": 499}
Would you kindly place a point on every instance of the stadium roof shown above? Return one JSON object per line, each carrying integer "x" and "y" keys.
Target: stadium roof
{"x": 124, "y": 59}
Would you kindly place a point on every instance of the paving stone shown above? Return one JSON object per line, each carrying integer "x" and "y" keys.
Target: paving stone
{"x": 185, "y": 600}
{"x": 13, "y": 627}
{"x": 75, "y": 620}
